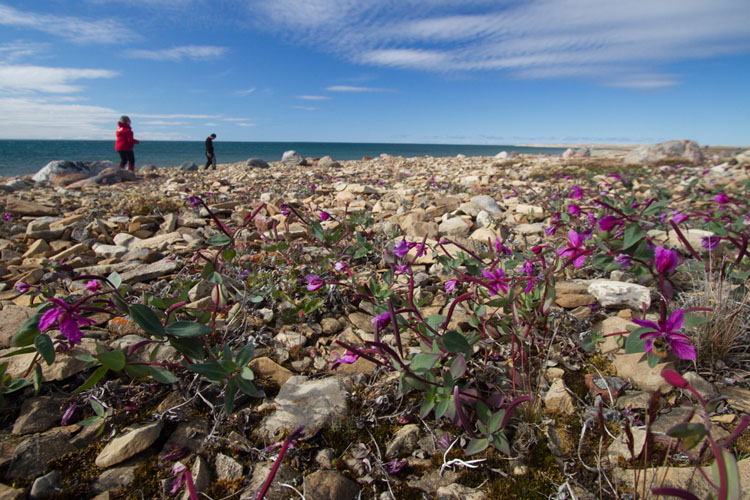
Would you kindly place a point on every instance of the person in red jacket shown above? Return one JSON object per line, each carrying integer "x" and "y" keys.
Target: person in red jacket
{"x": 125, "y": 142}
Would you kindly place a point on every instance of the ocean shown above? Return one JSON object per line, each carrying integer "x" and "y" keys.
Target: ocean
{"x": 24, "y": 157}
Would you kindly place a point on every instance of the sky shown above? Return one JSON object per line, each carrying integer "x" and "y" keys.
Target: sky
{"x": 430, "y": 71}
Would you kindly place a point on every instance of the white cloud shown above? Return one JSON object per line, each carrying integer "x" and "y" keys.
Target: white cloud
{"x": 45, "y": 118}
{"x": 192, "y": 52}
{"x": 352, "y": 88}
{"x": 22, "y": 78}
{"x": 71, "y": 28}
{"x": 304, "y": 108}
{"x": 19, "y": 51}
{"x": 244, "y": 92}
{"x": 313, "y": 97}
{"x": 531, "y": 39}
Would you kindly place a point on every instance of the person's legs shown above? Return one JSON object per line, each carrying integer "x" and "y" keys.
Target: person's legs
{"x": 123, "y": 158}
{"x": 213, "y": 162}
{"x": 209, "y": 160}
{"x": 131, "y": 160}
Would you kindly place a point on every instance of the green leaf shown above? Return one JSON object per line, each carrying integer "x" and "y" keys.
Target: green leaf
{"x": 249, "y": 388}
{"x": 717, "y": 228}
{"x": 423, "y": 362}
{"x": 115, "y": 279}
{"x": 190, "y": 347}
{"x": 634, "y": 343}
{"x": 653, "y": 360}
{"x": 442, "y": 407}
{"x": 455, "y": 342}
{"x": 247, "y": 374}
{"x": 92, "y": 380}
{"x": 732, "y": 476}
{"x": 687, "y": 429}
{"x": 476, "y": 445}
{"x": 229, "y": 394}
{"x": 496, "y": 420}
{"x": 15, "y": 384}
{"x": 219, "y": 240}
{"x": 38, "y": 378}
{"x": 147, "y": 319}
{"x": 89, "y": 421}
{"x": 427, "y": 405}
{"x": 45, "y": 347}
{"x": 137, "y": 371}
{"x": 23, "y": 350}
{"x": 114, "y": 360}
{"x": 98, "y": 408}
{"x": 458, "y": 367}
{"x": 500, "y": 442}
{"x": 245, "y": 354}
{"x": 162, "y": 375}
{"x": 215, "y": 277}
{"x": 692, "y": 320}
{"x": 634, "y": 233}
{"x": 211, "y": 370}
{"x": 187, "y": 329}
{"x": 28, "y": 331}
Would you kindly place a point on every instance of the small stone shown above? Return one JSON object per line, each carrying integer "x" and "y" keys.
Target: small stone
{"x": 558, "y": 399}
{"x": 404, "y": 441}
{"x": 284, "y": 474}
{"x": 37, "y": 415}
{"x": 227, "y": 468}
{"x": 128, "y": 444}
{"x": 329, "y": 485}
{"x": 634, "y": 367}
{"x": 620, "y": 294}
{"x": 268, "y": 369}
{"x": 8, "y": 493}
{"x": 459, "y": 492}
{"x": 46, "y": 485}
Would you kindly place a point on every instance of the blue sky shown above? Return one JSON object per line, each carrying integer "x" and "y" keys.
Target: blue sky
{"x": 435, "y": 71}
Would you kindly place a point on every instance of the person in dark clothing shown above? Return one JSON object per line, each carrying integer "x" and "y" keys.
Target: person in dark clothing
{"x": 125, "y": 142}
{"x": 210, "y": 156}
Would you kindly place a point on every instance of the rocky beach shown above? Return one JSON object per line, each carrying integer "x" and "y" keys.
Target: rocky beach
{"x": 451, "y": 328}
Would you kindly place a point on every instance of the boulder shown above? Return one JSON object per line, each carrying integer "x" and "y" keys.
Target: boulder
{"x": 90, "y": 168}
{"x": 292, "y": 158}
{"x": 257, "y": 163}
{"x": 670, "y": 150}
{"x": 189, "y": 166}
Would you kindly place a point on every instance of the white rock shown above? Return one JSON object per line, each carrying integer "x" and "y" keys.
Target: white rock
{"x": 620, "y": 294}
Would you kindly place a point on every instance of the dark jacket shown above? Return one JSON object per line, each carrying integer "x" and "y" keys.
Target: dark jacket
{"x": 209, "y": 146}
{"x": 125, "y": 140}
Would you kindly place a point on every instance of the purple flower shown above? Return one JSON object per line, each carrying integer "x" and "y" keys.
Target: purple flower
{"x": 450, "y": 285}
{"x": 574, "y": 209}
{"x": 402, "y": 268}
{"x": 285, "y": 210}
{"x": 575, "y": 249}
{"x": 7, "y": 217}
{"x": 395, "y": 466}
{"x": 608, "y": 223}
{"x": 665, "y": 260}
{"x": 68, "y": 414}
{"x": 528, "y": 268}
{"x": 324, "y": 215}
{"x": 66, "y": 319}
{"x": 381, "y": 320}
{"x": 576, "y": 192}
{"x": 194, "y": 201}
{"x": 401, "y": 249}
{"x": 22, "y": 287}
{"x": 678, "y": 217}
{"x": 340, "y": 266}
{"x": 314, "y": 282}
{"x": 549, "y": 231}
{"x": 710, "y": 242}
{"x": 500, "y": 248}
{"x": 93, "y": 286}
{"x": 245, "y": 274}
{"x": 722, "y": 199}
{"x": 667, "y": 334}
{"x": 497, "y": 280}
{"x": 624, "y": 260}
{"x": 178, "y": 470}
{"x": 346, "y": 359}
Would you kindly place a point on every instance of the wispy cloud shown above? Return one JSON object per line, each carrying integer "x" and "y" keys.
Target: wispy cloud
{"x": 589, "y": 39}
{"x": 244, "y": 92}
{"x": 20, "y": 51}
{"x": 47, "y": 118}
{"x": 353, "y": 88}
{"x": 23, "y": 78}
{"x": 304, "y": 108}
{"x": 313, "y": 97}
{"x": 191, "y": 52}
{"x": 72, "y": 28}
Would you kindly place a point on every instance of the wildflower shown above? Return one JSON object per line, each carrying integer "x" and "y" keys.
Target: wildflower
{"x": 285, "y": 210}
{"x": 381, "y": 320}
{"x": 450, "y": 285}
{"x": 624, "y": 260}
{"x": 574, "y": 209}
{"x": 340, "y": 266}
{"x": 722, "y": 199}
{"x": 528, "y": 268}
{"x": 665, "y": 335}
{"x": 710, "y": 242}
{"x": 608, "y": 222}
{"x": 346, "y": 359}
{"x": 324, "y": 215}
{"x": 678, "y": 217}
{"x": 245, "y": 274}
{"x": 402, "y": 268}
{"x": 497, "y": 280}
{"x": 665, "y": 260}
{"x": 314, "y": 282}
{"x": 175, "y": 452}
{"x": 574, "y": 250}
{"x": 66, "y": 319}
{"x": 93, "y": 286}
{"x": 178, "y": 470}
{"x": 576, "y": 192}
{"x": 500, "y": 248}
{"x": 395, "y": 466}
{"x": 401, "y": 249}
{"x": 7, "y": 217}
{"x": 22, "y": 287}
{"x": 194, "y": 201}
{"x": 68, "y": 414}
{"x": 549, "y": 231}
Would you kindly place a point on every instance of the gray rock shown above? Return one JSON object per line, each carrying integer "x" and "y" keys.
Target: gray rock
{"x": 46, "y": 485}
{"x": 487, "y": 203}
{"x": 189, "y": 166}
{"x": 330, "y": 485}
{"x": 227, "y": 468}
{"x": 634, "y": 367}
{"x": 653, "y": 153}
{"x": 90, "y": 168}
{"x": 558, "y": 399}
{"x": 109, "y": 251}
{"x": 311, "y": 404}
{"x": 257, "y": 163}
{"x": 329, "y": 162}
{"x": 128, "y": 444}
{"x": 31, "y": 456}
{"x": 454, "y": 227}
{"x": 459, "y": 492}
{"x": 284, "y": 474}
{"x": 201, "y": 477}
{"x": 150, "y": 271}
{"x": 37, "y": 415}
{"x": 13, "y": 317}
{"x": 292, "y": 158}
{"x": 8, "y": 493}
{"x": 620, "y": 294}
{"x": 117, "y": 477}
{"x": 403, "y": 442}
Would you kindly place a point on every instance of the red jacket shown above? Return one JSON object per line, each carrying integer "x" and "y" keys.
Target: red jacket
{"x": 125, "y": 139}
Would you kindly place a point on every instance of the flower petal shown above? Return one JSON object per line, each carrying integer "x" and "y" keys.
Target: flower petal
{"x": 49, "y": 318}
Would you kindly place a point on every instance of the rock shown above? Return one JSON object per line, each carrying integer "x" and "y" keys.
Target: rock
{"x": 66, "y": 364}
{"x": 306, "y": 403}
{"x": 118, "y": 477}
{"x": 13, "y": 318}
{"x": 459, "y": 492}
{"x": 292, "y": 158}
{"x": 620, "y": 449}
{"x": 737, "y": 397}
{"x": 329, "y": 162}
{"x": 679, "y": 149}
{"x": 573, "y": 300}
{"x": 267, "y": 369}
{"x": 46, "y": 485}
{"x": 636, "y": 400}
{"x": 8, "y": 493}
{"x": 189, "y": 166}
{"x": 634, "y": 367}
{"x": 703, "y": 386}
{"x": 150, "y": 271}
{"x": 620, "y": 294}
{"x": 558, "y": 399}
{"x": 32, "y": 454}
{"x": 614, "y": 324}
{"x": 37, "y": 415}
{"x": 487, "y": 203}
{"x": 109, "y": 251}
{"x": 607, "y": 387}
{"x": 257, "y": 163}
{"x": 532, "y": 211}
{"x": 455, "y": 227}
{"x": 504, "y": 155}
{"x": 227, "y": 468}
{"x": 201, "y": 477}
{"x": 89, "y": 168}
{"x": 577, "y": 153}
{"x": 329, "y": 485}
{"x": 128, "y": 444}
{"x": 284, "y": 474}
{"x": 331, "y": 326}
{"x": 403, "y": 442}
{"x": 17, "y": 206}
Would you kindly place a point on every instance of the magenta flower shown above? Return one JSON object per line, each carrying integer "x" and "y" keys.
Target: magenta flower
{"x": 574, "y": 250}
{"x": 66, "y": 319}
{"x": 285, "y": 210}
{"x": 346, "y": 359}
{"x": 500, "y": 248}
{"x": 314, "y": 282}
{"x": 710, "y": 242}
{"x": 93, "y": 286}
{"x": 381, "y": 320}
{"x": 395, "y": 466}
{"x": 668, "y": 335}
{"x": 528, "y": 268}
{"x": 665, "y": 260}
{"x": 324, "y": 215}
{"x": 574, "y": 209}
{"x": 450, "y": 285}
{"x": 608, "y": 223}
{"x": 624, "y": 260}
{"x": 401, "y": 249}
{"x": 7, "y": 217}
{"x": 68, "y": 414}
{"x": 178, "y": 470}
{"x": 722, "y": 199}
{"x": 678, "y": 217}
{"x": 497, "y": 280}
{"x": 549, "y": 231}
{"x": 22, "y": 287}
{"x": 576, "y": 192}
{"x": 194, "y": 201}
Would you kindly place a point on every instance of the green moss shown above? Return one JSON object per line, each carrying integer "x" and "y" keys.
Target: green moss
{"x": 223, "y": 488}
{"x": 538, "y": 482}
{"x": 146, "y": 481}
{"x": 78, "y": 466}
